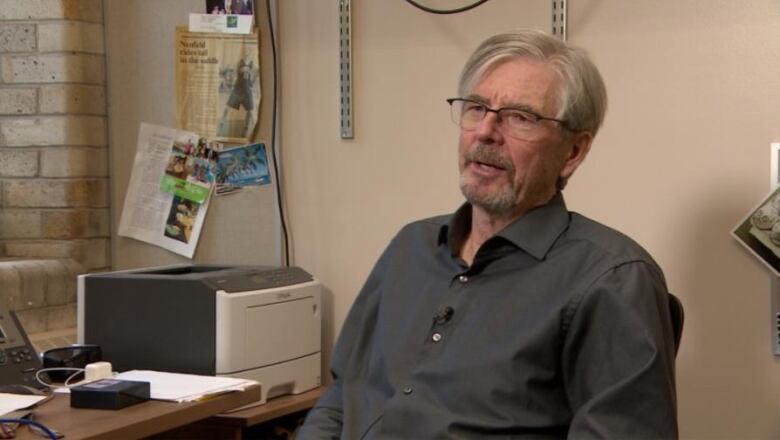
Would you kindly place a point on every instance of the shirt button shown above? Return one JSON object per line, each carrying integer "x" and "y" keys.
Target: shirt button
{"x": 463, "y": 278}
{"x": 436, "y": 337}
{"x": 408, "y": 390}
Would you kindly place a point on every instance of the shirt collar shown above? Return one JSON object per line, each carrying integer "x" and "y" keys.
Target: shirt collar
{"x": 534, "y": 232}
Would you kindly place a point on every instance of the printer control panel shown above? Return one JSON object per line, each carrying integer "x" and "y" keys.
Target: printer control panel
{"x": 262, "y": 279}
{"x": 281, "y": 277}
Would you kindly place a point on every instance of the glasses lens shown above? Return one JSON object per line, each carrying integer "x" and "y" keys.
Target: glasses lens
{"x": 467, "y": 114}
{"x": 455, "y": 109}
{"x": 519, "y": 124}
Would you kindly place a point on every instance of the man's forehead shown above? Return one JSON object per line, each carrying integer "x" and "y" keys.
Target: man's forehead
{"x": 517, "y": 82}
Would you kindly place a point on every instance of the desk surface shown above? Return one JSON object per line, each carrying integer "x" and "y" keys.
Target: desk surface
{"x": 137, "y": 421}
{"x": 273, "y": 408}
{"x": 233, "y": 424}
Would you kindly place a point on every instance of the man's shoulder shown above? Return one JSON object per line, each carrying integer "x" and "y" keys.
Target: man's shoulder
{"x": 416, "y": 239}
{"x": 429, "y": 227}
{"x": 606, "y": 242}
{"x": 435, "y": 222}
{"x": 426, "y": 224}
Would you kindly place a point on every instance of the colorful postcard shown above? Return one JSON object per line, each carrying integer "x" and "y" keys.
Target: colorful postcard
{"x": 242, "y": 166}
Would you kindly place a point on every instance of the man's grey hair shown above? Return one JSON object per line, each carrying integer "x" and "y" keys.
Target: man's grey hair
{"x": 582, "y": 100}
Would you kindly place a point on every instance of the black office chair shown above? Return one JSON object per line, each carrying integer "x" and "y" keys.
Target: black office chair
{"x": 678, "y": 319}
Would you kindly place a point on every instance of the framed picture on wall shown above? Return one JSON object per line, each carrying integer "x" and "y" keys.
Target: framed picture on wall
{"x": 774, "y": 159}
{"x": 759, "y": 232}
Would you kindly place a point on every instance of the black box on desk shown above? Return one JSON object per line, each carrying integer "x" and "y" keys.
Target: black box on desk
{"x": 109, "y": 394}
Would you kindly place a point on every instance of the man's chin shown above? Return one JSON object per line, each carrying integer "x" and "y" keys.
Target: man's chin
{"x": 496, "y": 203}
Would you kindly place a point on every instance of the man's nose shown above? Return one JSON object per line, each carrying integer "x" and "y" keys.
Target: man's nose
{"x": 488, "y": 128}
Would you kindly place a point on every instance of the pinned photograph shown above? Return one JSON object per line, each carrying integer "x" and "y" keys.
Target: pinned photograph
{"x": 181, "y": 219}
{"x": 760, "y": 232}
{"x": 230, "y": 7}
{"x": 237, "y": 83}
{"x": 190, "y": 170}
{"x": 242, "y": 166}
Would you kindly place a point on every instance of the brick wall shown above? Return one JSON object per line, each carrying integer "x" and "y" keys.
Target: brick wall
{"x": 54, "y": 217}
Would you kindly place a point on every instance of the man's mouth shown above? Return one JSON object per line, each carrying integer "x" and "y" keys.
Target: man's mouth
{"x": 487, "y": 165}
{"x": 487, "y": 162}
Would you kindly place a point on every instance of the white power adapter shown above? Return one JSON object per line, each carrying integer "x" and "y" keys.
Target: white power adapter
{"x": 97, "y": 370}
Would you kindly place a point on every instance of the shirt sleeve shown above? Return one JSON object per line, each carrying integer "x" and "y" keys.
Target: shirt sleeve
{"x": 325, "y": 420}
{"x": 618, "y": 357}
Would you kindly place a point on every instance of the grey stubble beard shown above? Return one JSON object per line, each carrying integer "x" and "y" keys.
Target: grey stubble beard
{"x": 499, "y": 203}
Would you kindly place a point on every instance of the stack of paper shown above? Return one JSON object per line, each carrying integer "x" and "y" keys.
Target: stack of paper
{"x": 178, "y": 387}
{"x": 13, "y": 402}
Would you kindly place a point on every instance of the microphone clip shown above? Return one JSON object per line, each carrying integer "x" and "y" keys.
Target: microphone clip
{"x": 442, "y": 316}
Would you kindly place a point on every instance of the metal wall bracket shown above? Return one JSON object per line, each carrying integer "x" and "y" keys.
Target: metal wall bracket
{"x": 345, "y": 67}
{"x": 559, "y": 18}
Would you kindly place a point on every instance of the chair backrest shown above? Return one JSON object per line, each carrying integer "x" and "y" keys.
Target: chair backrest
{"x": 678, "y": 319}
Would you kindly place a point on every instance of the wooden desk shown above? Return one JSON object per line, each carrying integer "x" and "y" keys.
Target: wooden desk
{"x": 274, "y": 408}
{"x": 233, "y": 424}
{"x": 133, "y": 422}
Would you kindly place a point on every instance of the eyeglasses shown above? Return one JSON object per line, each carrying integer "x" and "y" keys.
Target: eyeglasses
{"x": 73, "y": 356}
{"x": 518, "y": 123}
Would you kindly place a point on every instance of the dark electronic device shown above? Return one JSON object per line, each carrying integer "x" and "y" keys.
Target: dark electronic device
{"x": 73, "y": 356}
{"x": 18, "y": 360}
{"x": 21, "y": 389}
{"x": 109, "y": 394}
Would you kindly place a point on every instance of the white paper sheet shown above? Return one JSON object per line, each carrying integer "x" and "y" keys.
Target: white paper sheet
{"x": 185, "y": 387}
{"x": 13, "y": 402}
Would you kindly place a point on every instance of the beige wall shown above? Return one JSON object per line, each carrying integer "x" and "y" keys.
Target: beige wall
{"x": 694, "y": 88}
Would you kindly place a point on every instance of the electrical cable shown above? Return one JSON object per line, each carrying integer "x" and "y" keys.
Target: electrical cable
{"x": 285, "y": 237}
{"x": 65, "y": 384}
{"x": 446, "y": 11}
{"x": 49, "y": 433}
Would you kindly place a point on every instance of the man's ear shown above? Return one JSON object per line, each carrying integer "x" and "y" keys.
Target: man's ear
{"x": 580, "y": 146}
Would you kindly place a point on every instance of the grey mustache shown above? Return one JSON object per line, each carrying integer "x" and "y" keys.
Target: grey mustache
{"x": 489, "y": 156}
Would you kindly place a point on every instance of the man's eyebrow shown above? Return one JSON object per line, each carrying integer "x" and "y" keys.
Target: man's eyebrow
{"x": 515, "y": 106}
{"x": 476, "y": 98}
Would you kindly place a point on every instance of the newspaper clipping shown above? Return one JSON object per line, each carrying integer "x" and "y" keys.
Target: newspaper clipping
{"x": 217, "y": 84}
{"x": 155, "y": 216}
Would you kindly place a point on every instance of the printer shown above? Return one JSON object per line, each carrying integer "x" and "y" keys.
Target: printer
{"x": 253, "y": 322}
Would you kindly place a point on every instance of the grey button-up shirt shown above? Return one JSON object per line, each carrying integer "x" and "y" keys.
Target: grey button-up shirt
{"x": 560, "y": 327}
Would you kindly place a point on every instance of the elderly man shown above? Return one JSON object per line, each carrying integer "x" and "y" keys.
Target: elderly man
{"x": 512, "y": 317}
